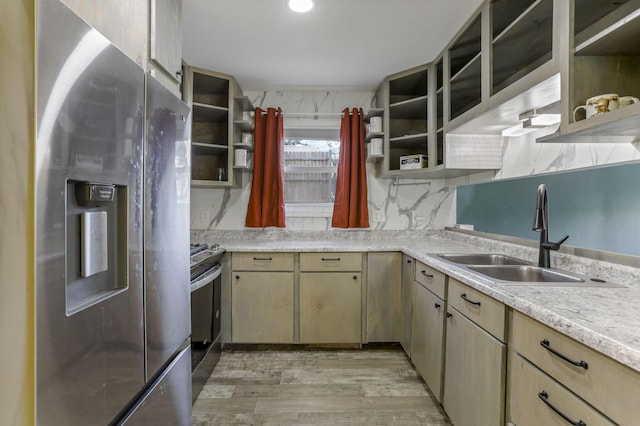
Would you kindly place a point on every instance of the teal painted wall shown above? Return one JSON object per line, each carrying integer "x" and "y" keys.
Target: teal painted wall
{"x": 599, "y": 208}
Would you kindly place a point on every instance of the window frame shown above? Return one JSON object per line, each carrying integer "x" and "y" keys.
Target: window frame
{"x": 310, "y": 210}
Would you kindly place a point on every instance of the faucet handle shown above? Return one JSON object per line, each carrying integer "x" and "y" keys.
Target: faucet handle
{"x": 555, "y": 246}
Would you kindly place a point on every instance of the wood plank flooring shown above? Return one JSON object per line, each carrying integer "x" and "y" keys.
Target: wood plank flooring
{"x": 304, "y": 386}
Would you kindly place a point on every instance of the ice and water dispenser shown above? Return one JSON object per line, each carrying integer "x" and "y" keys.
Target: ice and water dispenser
{"x": 96, "y": 242}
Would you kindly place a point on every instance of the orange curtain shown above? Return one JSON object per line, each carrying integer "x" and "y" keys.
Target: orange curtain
{"x": 350, "y": 206}
{"x": 266, "y": 202}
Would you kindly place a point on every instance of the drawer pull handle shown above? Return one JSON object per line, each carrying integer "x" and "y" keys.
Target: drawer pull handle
{"x": 331, "y": 259}
{"x": 545, "y": 344}
{"x": 545, "y": 398}
{"x": 426, "y": 275}
{"x": 263, "y": 259}
{"x": 463, "y": 296}
{"x": 436, "y": 305}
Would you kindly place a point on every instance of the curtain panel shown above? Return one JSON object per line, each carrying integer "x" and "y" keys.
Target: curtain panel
{"x": 350, "y": 206}
{"x": 266, "y": 202}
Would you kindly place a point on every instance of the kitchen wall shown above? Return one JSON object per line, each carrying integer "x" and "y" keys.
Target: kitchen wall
{"x": 394, "y": 204}
{"x": 17, "y": 26}
{"x": 596, "y": 205}
{"x": 398, "y": 204}
{"x": 522, "y": 156}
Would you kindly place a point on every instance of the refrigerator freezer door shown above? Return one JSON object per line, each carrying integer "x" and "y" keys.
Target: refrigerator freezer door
{"x": 168, "y": 401}
{"x": 166, "y": 226}
{"x": 89, "y": 330}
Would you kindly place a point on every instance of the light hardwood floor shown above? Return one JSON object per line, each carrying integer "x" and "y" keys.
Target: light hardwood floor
{"x": 300, "y": 386}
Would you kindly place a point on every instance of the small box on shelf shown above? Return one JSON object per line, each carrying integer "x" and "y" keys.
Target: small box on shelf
{"x": 414, "y": 161}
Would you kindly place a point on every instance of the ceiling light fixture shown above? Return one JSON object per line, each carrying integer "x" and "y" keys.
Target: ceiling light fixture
{"x": 301, "y": 6}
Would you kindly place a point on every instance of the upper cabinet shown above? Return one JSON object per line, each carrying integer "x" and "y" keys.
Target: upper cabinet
{"x": 603, "y": 73}
{"x": 217, "y": 124}
{"x": 465, "y": 70}
{"x": 416, "y": 144}
{"x": 502, "y": 67}
{"x": 406, "y": 118}
{"x": 515, "y": 24}
{"x": 165, "y": 38}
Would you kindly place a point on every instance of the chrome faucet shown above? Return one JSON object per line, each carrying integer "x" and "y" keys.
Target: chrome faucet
{"x": 541, "y": 224}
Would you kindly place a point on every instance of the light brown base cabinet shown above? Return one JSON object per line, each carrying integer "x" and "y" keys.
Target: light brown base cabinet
{"x": 428, "y": 337}
{"x": 406, "y": 301}
{"x": 383, "y": 297}
{"x": 601, "y": 382}
{"x": 330, "y": 307}
{"x": 536, "y": 399}
{"x": 262, "y": 307}
{"x": 262, "y": 298}
{"x": 475, "y": 357}
{"x": 474, "y": 377}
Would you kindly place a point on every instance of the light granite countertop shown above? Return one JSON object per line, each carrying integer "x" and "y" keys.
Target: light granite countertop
{"x": 605, "y": 319}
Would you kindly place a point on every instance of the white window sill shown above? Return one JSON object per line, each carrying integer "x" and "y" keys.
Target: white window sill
{"x": 309, "y": 210}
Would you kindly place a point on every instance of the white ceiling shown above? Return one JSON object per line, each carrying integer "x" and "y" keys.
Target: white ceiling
{"x": 346, "y": 44}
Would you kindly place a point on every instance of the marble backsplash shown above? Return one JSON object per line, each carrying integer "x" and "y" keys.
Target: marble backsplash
{"x": 395, "y": 204}
{"x": 522, "y": 156}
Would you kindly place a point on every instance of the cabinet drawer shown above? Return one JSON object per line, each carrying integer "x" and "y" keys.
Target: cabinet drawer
{"x": 606, "y": 384}
{"x": 325, "y": 262}
{"x": 431, "y": 279}
{"x": 488, "y": 313}
{"x": 262, "y": 262}
{"x": 532, "y": 394}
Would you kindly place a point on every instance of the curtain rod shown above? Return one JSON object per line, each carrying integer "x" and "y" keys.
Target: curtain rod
{"x": 311, "y": 114}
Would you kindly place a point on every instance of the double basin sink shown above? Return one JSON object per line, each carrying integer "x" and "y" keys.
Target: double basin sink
{"x": 509, "y": 270}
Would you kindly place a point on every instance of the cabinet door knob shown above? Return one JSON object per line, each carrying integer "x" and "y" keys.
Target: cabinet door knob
{"x": 449, "y": 315}
{"x": 408, "y": 260}
{"x": 436, "y": 305}
{"x": 355, "y": 277}
{"x": 237, "y": 277}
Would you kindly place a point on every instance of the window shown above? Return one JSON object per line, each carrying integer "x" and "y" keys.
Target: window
{"x": 310, "y": 170}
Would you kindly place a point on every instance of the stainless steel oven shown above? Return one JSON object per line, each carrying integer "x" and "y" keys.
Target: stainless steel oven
{"x": 206, "y": 270}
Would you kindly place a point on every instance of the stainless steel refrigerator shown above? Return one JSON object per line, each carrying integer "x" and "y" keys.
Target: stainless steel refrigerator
{"x": 112, "y": 234}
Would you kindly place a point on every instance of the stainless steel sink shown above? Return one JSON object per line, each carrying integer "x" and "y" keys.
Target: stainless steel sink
{"x": 483, "y": 259}
{"x": 510, "y": 274}
{"x": 524, "y": 273}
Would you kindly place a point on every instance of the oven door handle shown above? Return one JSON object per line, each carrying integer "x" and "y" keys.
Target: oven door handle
{"x": 206, "y": 278}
